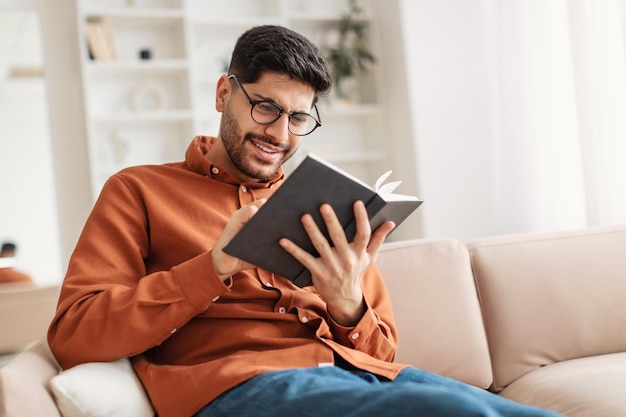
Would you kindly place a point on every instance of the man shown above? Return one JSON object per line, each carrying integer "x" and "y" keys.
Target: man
{"x": 210, "y": 335}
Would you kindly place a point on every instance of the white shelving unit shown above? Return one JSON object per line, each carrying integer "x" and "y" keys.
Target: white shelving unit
{"x": 147, "y": 110}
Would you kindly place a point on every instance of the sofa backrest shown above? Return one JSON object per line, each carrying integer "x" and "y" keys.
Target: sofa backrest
{"x": 548, "y": 298}
{"x": 25, "y": 314}
{"x": 436, "y": 308}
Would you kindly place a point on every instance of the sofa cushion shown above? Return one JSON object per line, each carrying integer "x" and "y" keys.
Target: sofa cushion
{"x": 101, "y": 389}
{"x": 436, "y": 308}
{"x": 24, "y": 389}
{"x": 549, "y": 298}
{"x": 587, "y": 387}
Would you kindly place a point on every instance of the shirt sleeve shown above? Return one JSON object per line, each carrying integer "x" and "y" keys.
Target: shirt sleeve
{"x": 376, "y": 333}
{"x": 110, "y": 306}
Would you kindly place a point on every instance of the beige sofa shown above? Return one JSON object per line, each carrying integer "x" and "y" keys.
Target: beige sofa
{"x": 537, "y": 318}
{"x": 25, "y": 313}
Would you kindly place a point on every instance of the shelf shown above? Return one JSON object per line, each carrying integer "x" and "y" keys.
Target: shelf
{"x": 129, "y": 13}
{"x": 127, "y": 65}
{"x": 146, "y": 111}
{"x": 243, "y": 22}
{"x": 165, "y": 116}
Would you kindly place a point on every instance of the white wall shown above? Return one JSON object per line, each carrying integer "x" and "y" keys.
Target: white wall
{"x": 45, "y": 195}
{"x": 450, "y": 98}
{"x": 28, "y": 211}
{"x": 67, "y": 120}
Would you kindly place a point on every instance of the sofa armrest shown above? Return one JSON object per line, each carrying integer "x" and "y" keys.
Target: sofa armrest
{"x": 25, "y": 314}
{"x": 24, "y": 384}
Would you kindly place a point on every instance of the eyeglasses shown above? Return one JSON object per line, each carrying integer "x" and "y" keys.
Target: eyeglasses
{"x": 266, "y": 112}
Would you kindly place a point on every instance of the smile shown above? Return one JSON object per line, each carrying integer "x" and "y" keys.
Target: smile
{"x": 265, "y": 148}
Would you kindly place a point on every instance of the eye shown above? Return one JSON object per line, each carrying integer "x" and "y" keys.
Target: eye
{"x": 267, "y": 107}
{"x": 299, "y": 118}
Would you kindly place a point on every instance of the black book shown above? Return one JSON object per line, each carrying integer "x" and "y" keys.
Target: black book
{"x": 311, "y": 184}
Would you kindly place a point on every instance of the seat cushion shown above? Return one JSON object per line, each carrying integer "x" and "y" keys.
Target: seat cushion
{"x": 436, "y": 308}
{"x": 587, "y": 387}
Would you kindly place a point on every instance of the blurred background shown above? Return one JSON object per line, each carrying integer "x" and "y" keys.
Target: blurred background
{"x": 504, "y": 116}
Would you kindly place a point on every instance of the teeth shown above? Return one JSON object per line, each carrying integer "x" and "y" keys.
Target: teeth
{"x": 268, "y": 150}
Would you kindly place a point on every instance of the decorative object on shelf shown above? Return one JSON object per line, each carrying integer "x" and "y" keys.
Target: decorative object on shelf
{"x": 26, "y": 72}
{"x": 120, "y": 147}
{"x": 99, "y": 39}
{"x": 350, "y": 55}
{"x": 148, "y": 96}
{"x": 145, "y": 54}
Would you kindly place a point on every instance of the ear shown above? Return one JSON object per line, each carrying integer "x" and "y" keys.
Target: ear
{"x": 222, "y": 92}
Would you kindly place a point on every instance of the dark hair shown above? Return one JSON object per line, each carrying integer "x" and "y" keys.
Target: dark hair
{"x": 271, "y": 48}
{"x": 8, "y": 249}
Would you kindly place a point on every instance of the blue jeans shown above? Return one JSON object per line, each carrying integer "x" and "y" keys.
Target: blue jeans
{"x": 337, "y": 392}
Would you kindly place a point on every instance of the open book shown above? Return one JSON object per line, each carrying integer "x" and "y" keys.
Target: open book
{"x": 311, "y": 184}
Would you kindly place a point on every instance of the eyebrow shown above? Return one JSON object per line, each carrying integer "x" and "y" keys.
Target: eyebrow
{"x": 271, "y": 100}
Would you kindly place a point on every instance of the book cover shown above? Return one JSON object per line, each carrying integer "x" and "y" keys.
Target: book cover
{"x": 313, "y": 183}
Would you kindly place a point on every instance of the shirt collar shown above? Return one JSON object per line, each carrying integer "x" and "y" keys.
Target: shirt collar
{"x": 197, "y": 162}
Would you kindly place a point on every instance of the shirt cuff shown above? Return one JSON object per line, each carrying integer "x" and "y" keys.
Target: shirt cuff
{"x": 199, "y": 281}
{"x": 358, "y": 334}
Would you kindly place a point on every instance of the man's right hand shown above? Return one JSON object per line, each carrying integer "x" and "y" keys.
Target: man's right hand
{"x": 225, "y": 264}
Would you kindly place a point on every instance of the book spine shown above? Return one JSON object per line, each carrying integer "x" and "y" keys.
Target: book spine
{"x": 99, "y": 39}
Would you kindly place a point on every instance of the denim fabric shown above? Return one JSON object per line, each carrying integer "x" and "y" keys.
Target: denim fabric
{"x": 337, "y": 392}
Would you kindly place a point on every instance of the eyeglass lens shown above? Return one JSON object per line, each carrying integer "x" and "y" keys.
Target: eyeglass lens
{"x": 265, "y": 112}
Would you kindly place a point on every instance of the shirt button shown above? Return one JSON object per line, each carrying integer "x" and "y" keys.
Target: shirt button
{"x": 244, "y": 188}
{"x": 216, "y": 298}
{"x": 355, "y": 336}
{"x": 215, "y": 170}
{"x": 304, "y": 319}
{"x": 282, "y": 310}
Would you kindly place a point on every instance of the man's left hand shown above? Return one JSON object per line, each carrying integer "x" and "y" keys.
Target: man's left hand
{"x": 338, "y": 271}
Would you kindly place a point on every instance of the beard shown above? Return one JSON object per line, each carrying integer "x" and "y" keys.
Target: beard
{"x": 235, "y": 145}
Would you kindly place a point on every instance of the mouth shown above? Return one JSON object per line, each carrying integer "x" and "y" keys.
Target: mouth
{"x": 265, "y": 148}
{"x": 266, "y": 151}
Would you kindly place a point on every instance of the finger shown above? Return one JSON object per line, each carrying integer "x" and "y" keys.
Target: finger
{"x": 332, "y": 257}
{"x": 244, "y": 214}
{"x": 363, "y": 227}
{"x": 335, "y": 230}
{"x": 378, "y": 237}
{"x": 317, "y": 238}
{"x": 250, "y": 209}
{"x": 304, "y": 257}
{"x": 236, "y": 222}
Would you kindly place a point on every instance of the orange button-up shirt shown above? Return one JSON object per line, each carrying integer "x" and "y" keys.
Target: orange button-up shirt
{"x": 141, "y": 284}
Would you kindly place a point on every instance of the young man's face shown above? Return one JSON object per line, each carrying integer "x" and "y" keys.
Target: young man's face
{"x": 255, "y": 151}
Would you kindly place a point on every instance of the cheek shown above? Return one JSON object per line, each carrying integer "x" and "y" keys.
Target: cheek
{"x": 295, "y": 141}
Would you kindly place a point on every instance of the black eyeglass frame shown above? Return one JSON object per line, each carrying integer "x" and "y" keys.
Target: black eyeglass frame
{"x": 253, "y": 103}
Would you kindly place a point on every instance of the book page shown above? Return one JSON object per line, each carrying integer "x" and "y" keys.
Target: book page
{"x": 386, "y": 191}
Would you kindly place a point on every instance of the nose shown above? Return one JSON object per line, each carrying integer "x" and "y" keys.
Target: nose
{"x": 279, "y": 130}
